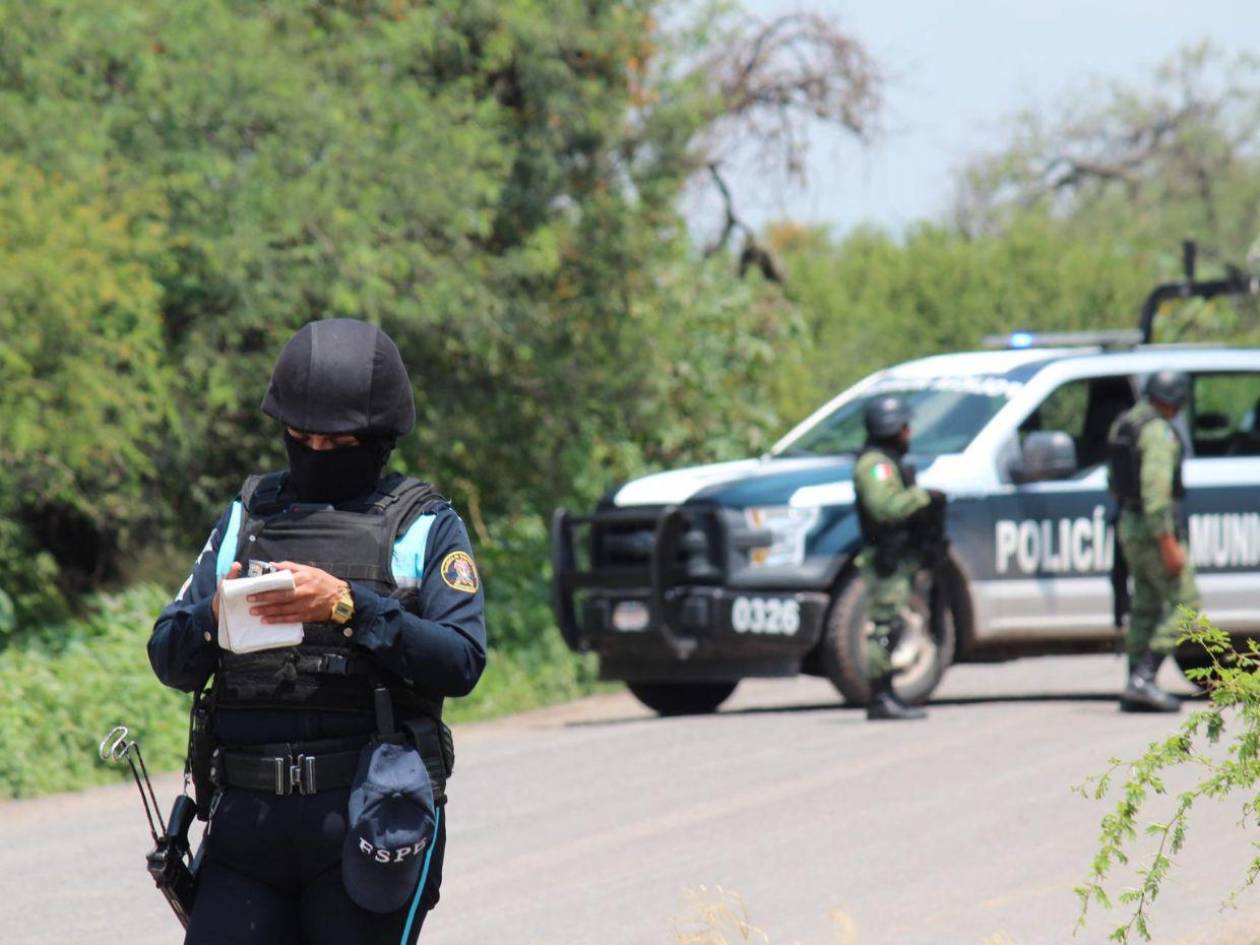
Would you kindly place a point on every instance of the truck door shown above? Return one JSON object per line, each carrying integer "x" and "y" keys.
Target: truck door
{"x": 1222, "y": 476}
{"x": 1052, "y": 540}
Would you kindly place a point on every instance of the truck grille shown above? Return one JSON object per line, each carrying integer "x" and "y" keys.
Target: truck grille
{"x": 630, "y": 540}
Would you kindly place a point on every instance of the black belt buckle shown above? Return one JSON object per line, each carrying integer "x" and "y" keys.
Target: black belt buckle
{"x": 295, "y": 774}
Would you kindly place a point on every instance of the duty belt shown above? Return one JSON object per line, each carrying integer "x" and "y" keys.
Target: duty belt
{"x": 304, "y": 768}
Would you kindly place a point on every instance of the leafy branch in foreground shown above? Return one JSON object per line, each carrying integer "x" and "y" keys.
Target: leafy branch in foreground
{"x": 1234, "y": 690}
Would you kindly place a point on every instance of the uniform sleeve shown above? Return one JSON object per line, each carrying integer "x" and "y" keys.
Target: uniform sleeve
{"x": 183, "y": 648}
{"x": 437, "y": 641}
{"x": 884, "y": 494}
{"x": 1160, "y": 450}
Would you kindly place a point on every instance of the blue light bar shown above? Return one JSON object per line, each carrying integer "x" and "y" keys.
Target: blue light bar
{"x": 1107, "y": 340}
{"x": 1021, "y": 339}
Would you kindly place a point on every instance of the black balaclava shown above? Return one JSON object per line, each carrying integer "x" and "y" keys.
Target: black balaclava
{"x": 338, "y": 474}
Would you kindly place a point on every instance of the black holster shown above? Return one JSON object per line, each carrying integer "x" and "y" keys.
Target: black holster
{"x": 202, "y": 746}
{"x": 432, "y": 738}
{"x": 1120, "y": 600}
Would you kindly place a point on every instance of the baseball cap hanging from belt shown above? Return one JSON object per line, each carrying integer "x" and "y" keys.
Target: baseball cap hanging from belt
{"x": 392, "y": 822}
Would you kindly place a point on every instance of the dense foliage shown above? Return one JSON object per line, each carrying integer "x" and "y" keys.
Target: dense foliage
{"x": 494, "y": 183}
{"x": 184, "y": 184}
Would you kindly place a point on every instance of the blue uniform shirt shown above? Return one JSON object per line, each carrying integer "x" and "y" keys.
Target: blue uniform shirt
{"x": 437, "y": 642}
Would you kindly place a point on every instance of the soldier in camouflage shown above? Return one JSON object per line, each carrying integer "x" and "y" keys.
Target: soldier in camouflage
{"x": 888, "y": 503}
{"x": 1145, "y": 453}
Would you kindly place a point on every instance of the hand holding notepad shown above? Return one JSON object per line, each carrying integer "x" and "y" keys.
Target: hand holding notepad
{"x": 243, "y": 632}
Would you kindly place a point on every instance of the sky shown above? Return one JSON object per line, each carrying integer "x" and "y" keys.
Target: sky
{"x": 958, "y": 70}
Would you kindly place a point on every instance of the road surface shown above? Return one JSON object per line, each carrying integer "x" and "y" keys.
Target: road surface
{"x": 596, "y": 823}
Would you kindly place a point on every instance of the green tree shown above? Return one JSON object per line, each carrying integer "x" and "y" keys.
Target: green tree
{"x": 85, "y": 389}
{"x": 495, "y": 183}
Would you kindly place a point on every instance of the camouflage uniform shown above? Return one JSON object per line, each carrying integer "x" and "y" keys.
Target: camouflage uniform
{"x": 883, "y": 493}
{"x": 1156, "y": 594}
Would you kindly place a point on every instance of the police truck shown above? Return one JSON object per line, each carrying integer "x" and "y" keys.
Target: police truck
{"x": 685, "y": 582}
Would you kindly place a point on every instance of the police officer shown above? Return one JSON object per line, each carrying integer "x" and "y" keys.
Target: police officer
{"x": 391, "y": 604}
{"x": 888, "y": 505}
{"x": 1145, "y": 453}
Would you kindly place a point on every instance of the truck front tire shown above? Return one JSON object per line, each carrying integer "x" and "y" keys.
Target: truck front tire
{"x": 686, "y": 698}
{"x": 843, "y": 647}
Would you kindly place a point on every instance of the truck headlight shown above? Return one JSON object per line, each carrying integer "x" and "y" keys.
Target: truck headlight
{"x": 788, "y": 529}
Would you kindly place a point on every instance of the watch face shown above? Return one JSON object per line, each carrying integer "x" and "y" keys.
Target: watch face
{"x": 343, "y": 609}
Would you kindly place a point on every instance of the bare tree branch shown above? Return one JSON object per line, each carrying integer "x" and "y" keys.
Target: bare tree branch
{"x": 753, "y": 253}
{"x": 769, "y": 83}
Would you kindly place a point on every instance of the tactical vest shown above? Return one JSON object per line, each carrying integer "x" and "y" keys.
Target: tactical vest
{"x": 324, "y": 672}
{"x": 1124, "y": 462}
{"x": 891, "y": 540}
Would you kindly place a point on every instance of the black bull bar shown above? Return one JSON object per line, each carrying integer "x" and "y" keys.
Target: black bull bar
{"x": 657, "y": 580}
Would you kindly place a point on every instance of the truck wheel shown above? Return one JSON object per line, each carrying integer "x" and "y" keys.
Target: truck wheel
{"x": 696, "y": 698}
{"x": 843, "y": 647}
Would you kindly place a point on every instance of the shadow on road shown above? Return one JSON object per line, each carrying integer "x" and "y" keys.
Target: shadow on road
{"x": 1108, "y": 697}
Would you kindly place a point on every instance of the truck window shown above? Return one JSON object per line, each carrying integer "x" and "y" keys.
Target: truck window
{"x": 946, "y": 419}
{"x": 1084, "y": 409}
{"x": 1224, "y": 414}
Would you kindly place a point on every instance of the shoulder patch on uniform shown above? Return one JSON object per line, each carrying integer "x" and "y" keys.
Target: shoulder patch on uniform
{"x": 459, "y": 572}
{"x": 881, "y": 471}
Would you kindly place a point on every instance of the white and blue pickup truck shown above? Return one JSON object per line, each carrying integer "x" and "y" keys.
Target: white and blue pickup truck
{"x": 686, "y": 582}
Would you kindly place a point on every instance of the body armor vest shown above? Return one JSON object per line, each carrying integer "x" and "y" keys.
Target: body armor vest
{"x": 891, "y": 540}
{"x": 324, "y": 672}
{"x": 1124, "y": 462}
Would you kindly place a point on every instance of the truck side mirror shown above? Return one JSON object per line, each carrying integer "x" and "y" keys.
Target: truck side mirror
{"x": 1046, "y": 455}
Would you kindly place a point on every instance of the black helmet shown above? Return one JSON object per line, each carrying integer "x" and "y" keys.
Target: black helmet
{"x": 1168, "y": 387}
{"x": 341, "y": 375}
{"x": 885, "y": 416}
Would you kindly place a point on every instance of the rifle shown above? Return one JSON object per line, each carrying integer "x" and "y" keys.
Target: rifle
{"x": 931, "y": 542}
{"x": 170, "y": 863}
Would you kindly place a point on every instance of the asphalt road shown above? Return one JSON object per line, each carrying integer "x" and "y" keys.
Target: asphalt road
{"x": 596, "y": 823}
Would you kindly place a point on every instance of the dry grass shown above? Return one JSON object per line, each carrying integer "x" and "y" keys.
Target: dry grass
{"x": 718, "y": 916}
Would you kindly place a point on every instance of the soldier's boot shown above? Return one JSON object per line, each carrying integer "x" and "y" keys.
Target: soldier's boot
{"x": 1142, "y": 694}
{"x": 884, "y": 704}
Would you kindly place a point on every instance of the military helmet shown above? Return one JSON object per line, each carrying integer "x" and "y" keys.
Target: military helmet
{"x": 341, "y": 375}
{"x": 1168, "y": 387}
{"x": 885, "y": 416}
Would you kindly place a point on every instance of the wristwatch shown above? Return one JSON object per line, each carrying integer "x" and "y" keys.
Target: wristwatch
{"x": 343, "y": 607}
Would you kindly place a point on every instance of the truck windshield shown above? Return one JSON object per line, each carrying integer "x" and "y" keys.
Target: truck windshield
{"x": 945, "y": 420}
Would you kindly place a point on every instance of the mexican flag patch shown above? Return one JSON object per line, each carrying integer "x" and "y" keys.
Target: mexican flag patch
{"x": 882, "y": 471}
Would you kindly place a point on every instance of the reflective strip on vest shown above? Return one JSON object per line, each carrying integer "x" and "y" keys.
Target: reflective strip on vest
{"x": 227, "y": 548}
{"x": 407, "y": 562}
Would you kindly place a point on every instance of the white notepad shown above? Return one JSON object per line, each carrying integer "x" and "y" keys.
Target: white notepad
{"x": 242, "y": 632}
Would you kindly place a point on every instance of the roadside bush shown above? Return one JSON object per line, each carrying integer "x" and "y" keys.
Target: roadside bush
{"x": 62, "y": 694}
{"x": 1144, "y": 803}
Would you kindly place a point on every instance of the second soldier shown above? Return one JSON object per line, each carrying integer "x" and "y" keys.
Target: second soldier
{"x": 1145, "y": 454}
{"x": 889, "y": 506}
